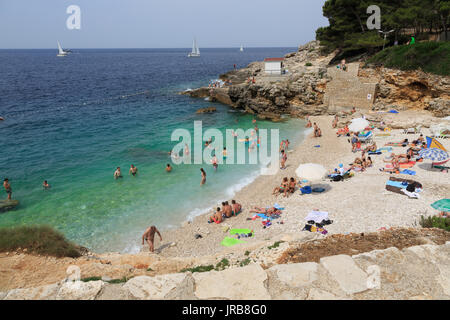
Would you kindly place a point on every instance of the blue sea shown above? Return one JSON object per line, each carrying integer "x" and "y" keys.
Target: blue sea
{"x": 73, "y": 120}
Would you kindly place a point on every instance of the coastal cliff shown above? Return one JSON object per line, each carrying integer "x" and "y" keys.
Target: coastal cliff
{"x": 310, "y": 78}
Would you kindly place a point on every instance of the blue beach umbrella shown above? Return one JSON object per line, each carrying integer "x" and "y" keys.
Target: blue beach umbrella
{"x": 434, "y": 154}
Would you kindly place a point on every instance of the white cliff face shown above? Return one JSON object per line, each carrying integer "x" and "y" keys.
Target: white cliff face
{"x": 420, "y": 272}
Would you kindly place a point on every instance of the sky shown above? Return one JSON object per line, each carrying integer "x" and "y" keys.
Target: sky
{"x": 39, "y": 24}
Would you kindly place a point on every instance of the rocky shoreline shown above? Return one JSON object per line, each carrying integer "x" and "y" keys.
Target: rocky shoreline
{"x": 301, "y": 91}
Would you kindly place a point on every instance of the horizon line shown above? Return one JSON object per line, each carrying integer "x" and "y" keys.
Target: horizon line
{"x": 162, "y": 48}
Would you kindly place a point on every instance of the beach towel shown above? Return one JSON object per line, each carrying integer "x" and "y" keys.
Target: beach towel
{"x": 317, "y": 216}
{"x": 406, "y": 165}
{"x": 408, "y": 172}
{"x": 229, "y": 242}
{"x": 375, "y": 153}
{"x": 306, "y": 190}
{"x": 413, "y": 195}
{"x": 397, "y": 185}
{"x": 240, "y": 231}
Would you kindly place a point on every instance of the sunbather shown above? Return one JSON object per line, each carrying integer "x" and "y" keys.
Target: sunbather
{"x": 395, "y": 167}
{"x": 371, "y": 148}
{"x": 283, "y": 188}
{"x": 267, "y": 211}
{"x": 292, "y": 185}
{"x": 216, "y": 217}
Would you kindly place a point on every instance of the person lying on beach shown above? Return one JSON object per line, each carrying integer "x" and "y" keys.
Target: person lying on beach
{"x": 149, "y": 236}
{"x": 283, "y": 188}
{"x": 45, "y": 185}
{"x": 371, "y": 148}
{"x": 133, "y": 170}
{"x": 236, "y": 207}
{"x": 404, "y": 143}
{"x": 343, "y": 131}
{"x": 395, "y": 167}
{"x": 419, "y": 140}
{"x": 267, "y": 211}
{"x": 335, "y": 122}
{"x": 216, "y": 217}
{"x": 117, "y": 173}
{"x": 168, "y": 167}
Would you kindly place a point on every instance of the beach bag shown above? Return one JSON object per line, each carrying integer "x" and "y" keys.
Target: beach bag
{"x": 337, "y": 178}
{"x": 306, "y": 190}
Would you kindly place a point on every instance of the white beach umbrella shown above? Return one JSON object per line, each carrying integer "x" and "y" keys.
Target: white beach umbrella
{"x": 358, "y": 124}
{"x": 311, "y": 171}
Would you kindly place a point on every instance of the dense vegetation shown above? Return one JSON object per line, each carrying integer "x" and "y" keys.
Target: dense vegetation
{"x": 42, "y": 240}
{"x": 435, "y": 222}
{"x": 348, "y": 30}
{"x": 433, "y": 57}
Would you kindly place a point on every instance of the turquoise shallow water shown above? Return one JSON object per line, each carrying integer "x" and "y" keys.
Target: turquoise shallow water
{"x": 73, "y": 122}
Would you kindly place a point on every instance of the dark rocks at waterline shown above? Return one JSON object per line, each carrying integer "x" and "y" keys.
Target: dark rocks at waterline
{"x": 207, "y": 110}
{"x": 6, "y": 205}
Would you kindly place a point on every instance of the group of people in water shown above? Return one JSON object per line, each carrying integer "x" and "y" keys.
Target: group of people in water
{"x": 8, "y": 188}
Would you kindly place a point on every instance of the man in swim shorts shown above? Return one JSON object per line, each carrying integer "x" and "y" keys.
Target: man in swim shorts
{"x": 7, "y": 187}
{"x": 149, "y": 236}
{"x": 227, "y": 210}
{"x": 133, "y": 170}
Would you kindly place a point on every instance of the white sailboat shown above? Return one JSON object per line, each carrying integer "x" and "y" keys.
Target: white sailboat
{"x": 242, "y": 48}
{"x": 195, "y": 50}
{"x": 61, "y": 52}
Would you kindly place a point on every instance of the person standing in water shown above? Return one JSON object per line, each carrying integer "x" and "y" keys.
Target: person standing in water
{"x": 117, "y": 173}
{"x": 214, "y": 162}
{"x": 203, "y": 177}
{"x": 133, "y": 170}
{"x": 168, "y": 167}
{"x": 45, "y": 185}
{"x": 149, "y": 236}
{"x": 7, "y": 187}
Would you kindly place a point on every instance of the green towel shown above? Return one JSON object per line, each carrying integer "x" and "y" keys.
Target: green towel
{"x": 240, "y": 231}
{"x": 229, "y": 242}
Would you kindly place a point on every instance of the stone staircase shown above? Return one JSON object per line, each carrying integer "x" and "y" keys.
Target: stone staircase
{"x": 346, "y": 89}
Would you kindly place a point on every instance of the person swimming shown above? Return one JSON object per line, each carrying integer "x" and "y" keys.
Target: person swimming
{"x": 45, "y": 185}
{"x": 168, "y": 167}
{"x": 133, "y": 170}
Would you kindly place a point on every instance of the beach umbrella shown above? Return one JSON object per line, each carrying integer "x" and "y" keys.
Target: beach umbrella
{"x": 442, "y": 205}
{"x": 311, "y": 171}
{"x": 434, "y": 154}
{"x": 433, "y": 143}
{"x": 358, "y": 124}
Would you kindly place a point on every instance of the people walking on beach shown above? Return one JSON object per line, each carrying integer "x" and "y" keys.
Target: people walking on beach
{"x": 117, "y": 173}
{"x": 8, "y": 189}
{"x": 149, "y": 236}
{"x": 203, "y": 176}
{"x": 45, "y": 185}
{"x": 283, "y": 159}
{"x": 168, "y": 167}
{"x": 133, "y": 170}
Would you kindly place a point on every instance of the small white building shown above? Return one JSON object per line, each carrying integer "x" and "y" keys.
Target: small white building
{"x": 274, "y": 66}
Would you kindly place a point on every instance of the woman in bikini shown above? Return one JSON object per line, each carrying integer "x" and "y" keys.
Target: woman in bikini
{"x": 292, "y": 185}
{"x": 203, "y": 177}
{"x": 283, "y": 188}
